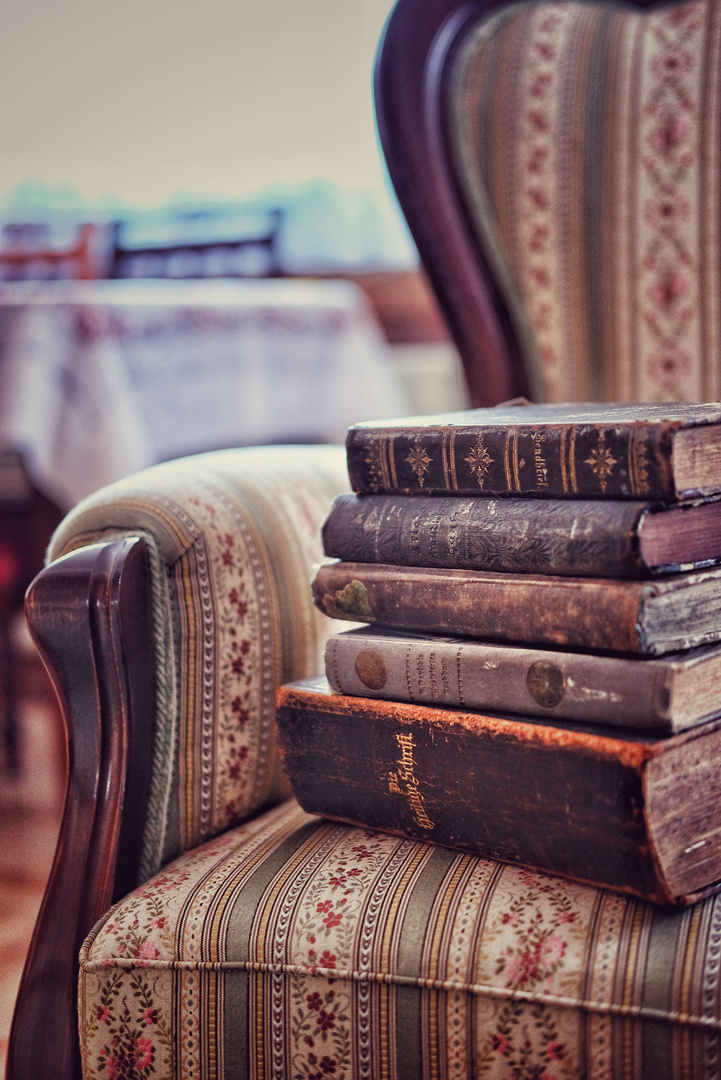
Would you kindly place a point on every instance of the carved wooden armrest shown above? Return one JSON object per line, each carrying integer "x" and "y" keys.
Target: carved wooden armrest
{"x": 89, "y": 614}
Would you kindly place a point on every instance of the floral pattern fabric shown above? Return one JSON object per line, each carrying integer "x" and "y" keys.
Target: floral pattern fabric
{"x": 588, "y": 140}
{"x": 296, "y": 948}
{"x": 237, "y": 534}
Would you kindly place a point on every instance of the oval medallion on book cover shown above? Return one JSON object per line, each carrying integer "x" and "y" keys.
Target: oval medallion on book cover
{"x": 546, "y": 684}
{"x": 371, "y": 669}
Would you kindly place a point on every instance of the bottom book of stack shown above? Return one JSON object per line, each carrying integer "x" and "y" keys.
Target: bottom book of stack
{"x": 639, "y": 812}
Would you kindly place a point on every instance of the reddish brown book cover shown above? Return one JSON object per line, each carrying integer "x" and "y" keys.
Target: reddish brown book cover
{"x": 639, "y": 815}
{"x": 645, "y": 617}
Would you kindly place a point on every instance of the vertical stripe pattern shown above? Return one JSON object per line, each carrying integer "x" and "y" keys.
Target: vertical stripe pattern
{"x": 586, "y": 139}
{"x": 364, "y": 955}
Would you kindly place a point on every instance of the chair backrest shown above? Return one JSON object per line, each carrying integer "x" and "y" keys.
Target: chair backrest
{"x": 255, "y": 255}
{"x": 26, "y": 255}
{"x": 558, "y": 164}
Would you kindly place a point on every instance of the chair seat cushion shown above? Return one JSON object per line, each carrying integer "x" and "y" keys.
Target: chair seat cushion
{"x": 297, "y": 947}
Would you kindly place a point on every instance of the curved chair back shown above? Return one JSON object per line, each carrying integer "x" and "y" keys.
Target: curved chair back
{"x": 558, "y": 164}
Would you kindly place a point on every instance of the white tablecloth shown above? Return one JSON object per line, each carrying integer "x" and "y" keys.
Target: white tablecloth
{"x": 100, "y": 379}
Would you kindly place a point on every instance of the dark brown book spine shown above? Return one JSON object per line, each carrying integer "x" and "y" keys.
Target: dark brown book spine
{"x": 595, "y": 460}
{"x": 549, "y": 797}
{"x": 584, "y": 613}
{"x": 577, "y": 538}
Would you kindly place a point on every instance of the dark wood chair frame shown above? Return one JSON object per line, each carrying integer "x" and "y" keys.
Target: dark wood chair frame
{"x": 89, "y": 614}
{"x": 419, "y": 44}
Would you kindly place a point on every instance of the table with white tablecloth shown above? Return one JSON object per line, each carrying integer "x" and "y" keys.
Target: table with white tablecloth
{"x": 100, "y": 379}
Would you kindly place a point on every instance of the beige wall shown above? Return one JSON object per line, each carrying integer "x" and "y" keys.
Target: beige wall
{"x": 142, "y": 98}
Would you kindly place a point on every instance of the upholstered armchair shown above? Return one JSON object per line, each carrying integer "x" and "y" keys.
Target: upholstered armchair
{"x": 223, "y": 932}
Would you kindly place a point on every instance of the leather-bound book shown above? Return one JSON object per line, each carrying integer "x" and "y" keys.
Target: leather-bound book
{"x": 669, "y": 452}
{"x": 641, "y": 815}
{"x": 580, "y": 537}
{"x": 662, "y": 694}
{"x": 650, "y": 617}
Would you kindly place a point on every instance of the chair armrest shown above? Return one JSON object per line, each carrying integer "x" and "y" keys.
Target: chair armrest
{"x": 89, "y": 615}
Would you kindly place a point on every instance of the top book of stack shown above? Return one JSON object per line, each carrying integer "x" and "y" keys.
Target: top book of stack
{"x": 670, "y": 452}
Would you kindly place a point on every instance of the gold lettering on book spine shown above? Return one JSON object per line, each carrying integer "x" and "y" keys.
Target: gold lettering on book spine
{"x": 403, "y": 781}
{"x": 638, "y": 461}
{"x": 383, "y": 481}
{"x": 375, "y": 470}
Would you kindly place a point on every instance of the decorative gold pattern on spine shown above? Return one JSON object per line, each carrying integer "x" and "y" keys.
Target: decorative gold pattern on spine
{"x": 514, "y": 458}
{"x": 572, "y": 460}
{"x": 479, "y": 461}
{"x": 445, "y": 459}
{"x": 507, "y": 460}
{"x": 601, "y": 461}
{"x": 562, "y": 455}
{"x": 383, "y": 461}
{"x": 392, "y": 461}
{"x": 452, "y": 458}
{"x": 419, "y": 460}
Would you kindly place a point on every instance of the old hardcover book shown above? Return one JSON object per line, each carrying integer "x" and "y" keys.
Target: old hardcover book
{"x": 640, "y": 815}
{"x": 669, "y": 452}
{"x": 664, "y": 694}
{"x": 648, "y": 617}
{"x": 582, "y": 537}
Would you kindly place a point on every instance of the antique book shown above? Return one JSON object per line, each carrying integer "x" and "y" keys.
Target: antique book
{"x": 640, "y": 814}
{"x": 650, "y": 617}
{"x": 667, "y": 452}
{"x": 580, "y": 537}
{"x": 662, "y": 694}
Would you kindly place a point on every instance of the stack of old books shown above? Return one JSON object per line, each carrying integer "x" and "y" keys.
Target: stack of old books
{"x": 541, "y": 682}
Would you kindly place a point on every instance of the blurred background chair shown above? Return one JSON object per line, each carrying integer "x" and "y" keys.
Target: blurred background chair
{"x": 255, "y": 254}
{"x": 28, "y": 253}
{"x": 558, "y": 168}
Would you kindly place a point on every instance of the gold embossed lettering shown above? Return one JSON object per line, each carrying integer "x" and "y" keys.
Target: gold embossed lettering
{"x": 403, "y": 781}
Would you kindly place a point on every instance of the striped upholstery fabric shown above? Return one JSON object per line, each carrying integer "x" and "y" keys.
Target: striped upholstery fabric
{"x": 587, "y": 140}
{"x": 296, "y": 948}
{"x": 232, "y": 536}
